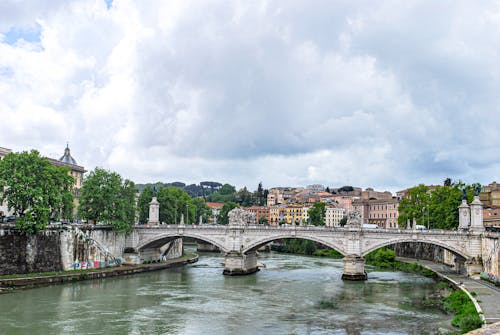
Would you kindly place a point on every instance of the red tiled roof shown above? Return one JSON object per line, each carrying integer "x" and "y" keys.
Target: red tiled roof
{"x": 214, "y": 205}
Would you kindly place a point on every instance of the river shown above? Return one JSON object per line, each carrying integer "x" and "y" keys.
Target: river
{"x": 292, "y": 295}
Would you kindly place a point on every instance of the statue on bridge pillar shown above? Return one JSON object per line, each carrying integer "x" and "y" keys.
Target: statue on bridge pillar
{"x": 354, "y": 220}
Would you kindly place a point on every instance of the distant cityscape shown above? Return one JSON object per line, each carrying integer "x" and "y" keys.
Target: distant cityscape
{"x": 290, "y": 205}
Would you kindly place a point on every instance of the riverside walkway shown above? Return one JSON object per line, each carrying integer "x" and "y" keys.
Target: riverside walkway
{"x": 487, "y": 295}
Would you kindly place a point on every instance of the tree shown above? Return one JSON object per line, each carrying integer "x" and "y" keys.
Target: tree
{"x": 263, "y": 220}
{"x": 317, "y": 213}
{"x": 245, "y": 198}
{"x": 436, "y": 208}
{"x": 327, "y": 189}
{"x": 143, "y": 204}
{"x": 105, "y": 197}
{"x": 201, "y": 209}
{"x": 174, "y": 203}
{"x": 222, "y": 218}
{"x": 447, "y": 182}
{"x": 35, "y": 190}
{"x": 343, "y": 221}
{"x": 413, "y": 206}
{"x": 227, "y": 193}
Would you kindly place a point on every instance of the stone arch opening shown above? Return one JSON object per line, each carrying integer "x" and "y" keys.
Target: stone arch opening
{"x": 451, "y": 249}
{"x": 160, "y": 240}
{"x": 259, "y": 244}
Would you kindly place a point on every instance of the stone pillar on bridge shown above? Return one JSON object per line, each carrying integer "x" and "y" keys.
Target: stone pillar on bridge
{"x": 354, "y": 268}
{"x": 354, "y": 262}
{"x": 154, "y": 212}
{"x": 476, "y": 222}
{"x": 463, "y": 216}
{"x": 236, "y": 262}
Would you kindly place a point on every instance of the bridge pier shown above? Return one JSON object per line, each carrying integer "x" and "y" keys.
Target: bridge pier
{"x": 354, "y": 268}
{"x": 473, "y": 267}
{"x": 236, "y": 263}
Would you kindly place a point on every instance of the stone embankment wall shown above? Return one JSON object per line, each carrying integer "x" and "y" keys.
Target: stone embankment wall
{"x": 24, "y": 254}
{"x": 57, "y": 248}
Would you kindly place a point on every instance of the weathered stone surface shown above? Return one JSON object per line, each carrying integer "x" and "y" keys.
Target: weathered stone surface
{"x": 24, "y": 254}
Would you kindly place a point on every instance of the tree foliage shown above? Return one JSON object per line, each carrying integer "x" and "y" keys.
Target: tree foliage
{"x": 317, "y": 213}
{"x": 105, "y": 197}
{"x": 175, "y": 203}
{"x": 35, "y": 190}
{"x": 222, "y": 218}
{"x": 437, "y": 208}
{"x": 143, "y": 204}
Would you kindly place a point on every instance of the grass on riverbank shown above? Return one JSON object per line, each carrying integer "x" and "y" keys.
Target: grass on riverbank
{"x": 450, "y": 300}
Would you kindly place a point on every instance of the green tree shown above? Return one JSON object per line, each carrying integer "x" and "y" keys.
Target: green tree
{"x": 263, "y": 220}
{"x": 245, "y": 198}
{"x": 143, "y": 204}
{"x": 413, "y": 206}
{"x": 105, "y": 197}
{"x": 35, "y": 190}
{"x": 317, "y": 213}
{"x": 222, "y": 218}
{"x": 343, "y": 221}
{"x": 227, "y": 193}
{"x": 174, "y": 203}
{"x": 201, "y": 210}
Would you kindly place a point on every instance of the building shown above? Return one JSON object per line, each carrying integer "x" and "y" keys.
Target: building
{"x": 383, "y": 213}
{"x": 259, "y": 211}
{"x": 345, "y": 201}
{"x": 333, "y": 216}
{"x": 296, "y": 213}
{"x": 490, "y": 194}
{"x": 370, "y": 193}
{"x": 215, "y": 207}
{"x": 4, "y": 210}
{"x": 75, "y": 170}
{"x": 491, "y": 217}
{"x": 275, "y": 215}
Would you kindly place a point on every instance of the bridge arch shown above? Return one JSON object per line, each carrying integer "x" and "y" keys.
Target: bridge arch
{"x": 441, "y": 244}
{"x": 162, "y": 239}
{"x": 261, "y": 242}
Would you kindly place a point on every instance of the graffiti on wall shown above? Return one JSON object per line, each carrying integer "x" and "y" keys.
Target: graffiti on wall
{"x": 490, "y": 277}
{"x": 96, "y": 264}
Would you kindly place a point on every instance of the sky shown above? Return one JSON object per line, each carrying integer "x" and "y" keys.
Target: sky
{"x": 382, "y": 94}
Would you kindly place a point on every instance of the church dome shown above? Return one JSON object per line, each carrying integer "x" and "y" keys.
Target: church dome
{"x": 67, "y": 158}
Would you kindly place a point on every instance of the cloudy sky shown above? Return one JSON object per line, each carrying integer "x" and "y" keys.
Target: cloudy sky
{"x": 383, "y": 94}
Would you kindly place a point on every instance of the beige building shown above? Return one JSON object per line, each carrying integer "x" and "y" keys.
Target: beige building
{"x": 490, "y": 194}
{"x": 75, "y": 170}
{"x": 333, "y": 216}
{"x": 275, "y": 212}
{"x": 259, "y": 211}
{"x": 383, "y": 213}
{"x": 491, "y": 217}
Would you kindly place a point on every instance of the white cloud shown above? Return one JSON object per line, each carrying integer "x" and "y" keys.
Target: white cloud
{"x": 290, "y": 93}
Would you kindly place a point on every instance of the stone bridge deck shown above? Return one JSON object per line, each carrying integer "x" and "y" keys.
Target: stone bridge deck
{"x": 239, "y": 242}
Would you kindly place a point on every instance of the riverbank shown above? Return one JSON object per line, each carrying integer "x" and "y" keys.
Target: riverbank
{"x": 453, "y": 298}
{"x": 12, "y": 282}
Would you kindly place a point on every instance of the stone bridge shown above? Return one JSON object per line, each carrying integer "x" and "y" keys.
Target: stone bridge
{"x": 239, "y": 243}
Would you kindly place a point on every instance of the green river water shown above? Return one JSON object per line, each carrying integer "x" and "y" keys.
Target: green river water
{"x": 291, "y": 295}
